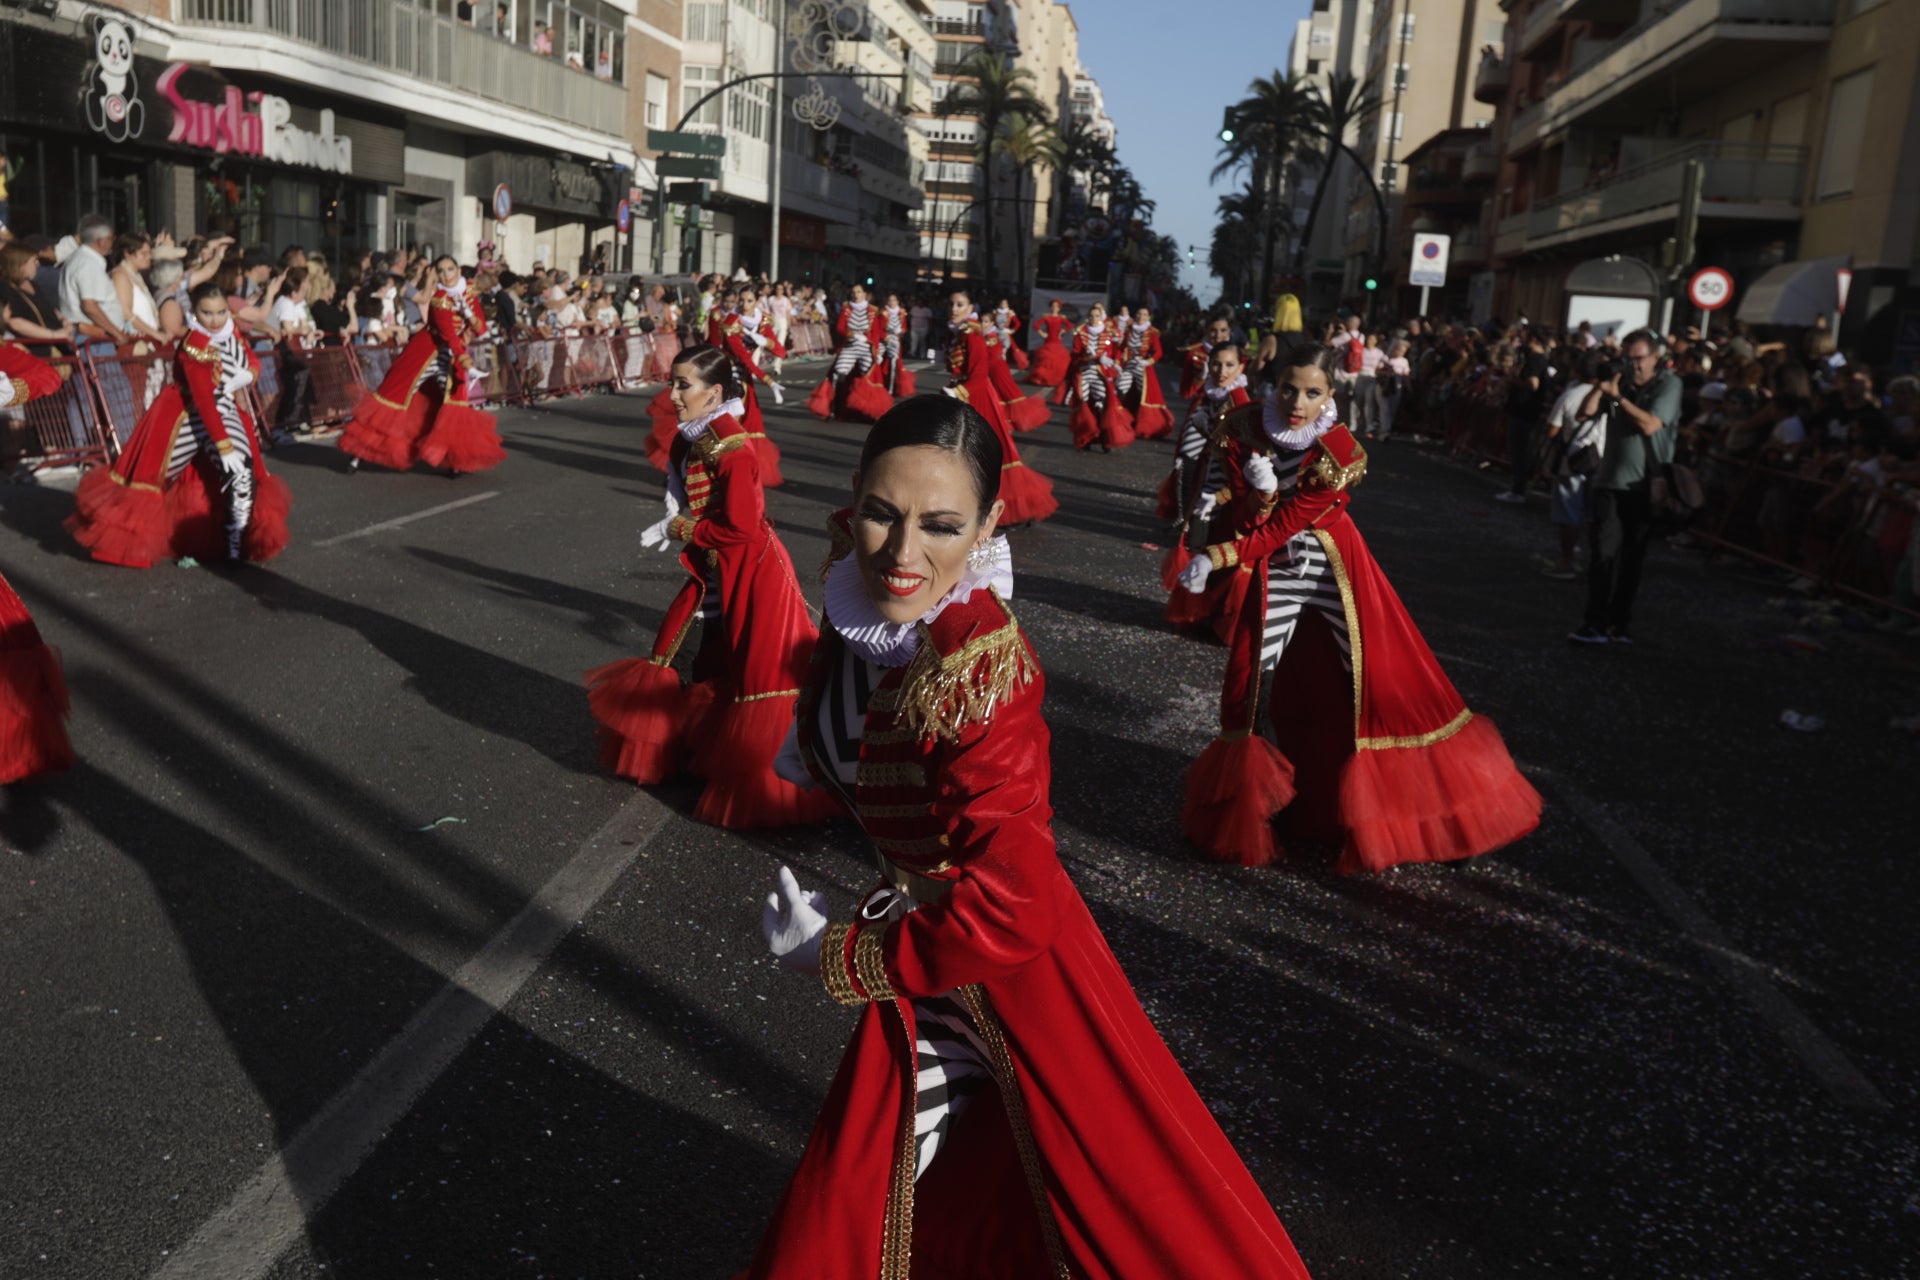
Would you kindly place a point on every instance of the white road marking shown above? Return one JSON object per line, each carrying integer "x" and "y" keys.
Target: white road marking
{"x": 243, "y": 1239}
{"x": 397, "y": 521}
{"x": 1820, "y": 1055}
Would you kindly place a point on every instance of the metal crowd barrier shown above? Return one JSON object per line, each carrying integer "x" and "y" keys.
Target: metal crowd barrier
{"x": 809, "y": 338}
{"x": 64, "y": 429}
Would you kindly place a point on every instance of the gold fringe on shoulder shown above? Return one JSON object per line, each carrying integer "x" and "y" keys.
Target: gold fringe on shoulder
{"x": 942, "y": 694}
{"x": 205, "y": 355}
{"x": 839, "y": 546}
{"x": 711, "y": 446}
{"x": 1331, "y": 475}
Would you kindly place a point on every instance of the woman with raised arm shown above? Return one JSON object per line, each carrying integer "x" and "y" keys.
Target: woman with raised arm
{"x": 196, "y": 450}
{"x": 420, "y": 413}
{"x": 1374, "y": 751}
{"x": 1004, "y": 1108}
{"x": 726, "y": 724}
{"x": 1028, "y": 495}
{"x": 1023, "y": 412}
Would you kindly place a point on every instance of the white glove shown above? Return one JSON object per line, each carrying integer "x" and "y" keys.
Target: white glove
{"x": 233, "y": 462}
{"x": 240, "y": 381}
{"x": 1204, "y": 508}
{"x": 779, "y": 392}
{"x": 655, "y": 536}
{"x": 1259, "y": 473}
{"x": 1194, "y": 576}
{"x": 671, "y": 503}
{"x": 793, "y": 922}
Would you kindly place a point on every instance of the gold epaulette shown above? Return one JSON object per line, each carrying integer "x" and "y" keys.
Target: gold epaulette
{"x": 1340, "y": 462}
{"x": 941, "y": 694}
{"x": 204, "y": 354}
{"x": 839, "y": 543}
{"x": 712, "y": 446}
{"x": 445, "y": 302}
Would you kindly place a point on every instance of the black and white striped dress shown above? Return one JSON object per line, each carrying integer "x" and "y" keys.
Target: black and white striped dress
{"x": 857, "y": 355}
{"x": 1093, "y": 386}
{"x": 193, "y": 436}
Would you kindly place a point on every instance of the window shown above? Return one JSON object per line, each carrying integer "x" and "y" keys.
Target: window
{"x": 1846, "y": 127}
{"x": 1406, "y": 28}
{"x": 1788, "y": 128}
{"x": 1396, "y": 122}
{"x": 657, "y": 87}
{"x": 747, "y": 110}
{"x": 695, "y": 82}
{"x": 706, "y": 21}
{"x": 1399, "y": 76}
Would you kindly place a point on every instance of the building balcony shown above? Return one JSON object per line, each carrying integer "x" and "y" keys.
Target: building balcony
{"x": 421, "y": 46}
{"x": 964, "y": 28}
{"x": 1491, "y": 80}
{"x": 1481, "y": 162}
{"x": 866, "y": 238}
{"x": 1739, "y": 181}
{"x": 809, "y": 187}
{"x": 1677, "y": 54}
{"x": 1510, "y": 235}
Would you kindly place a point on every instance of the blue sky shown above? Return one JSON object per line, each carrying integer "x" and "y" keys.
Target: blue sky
{"x": 1168, "y": 70}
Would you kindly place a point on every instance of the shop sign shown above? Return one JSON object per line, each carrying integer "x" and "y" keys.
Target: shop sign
{"x": 111, "y": 93}
{"x": 267, "y": 132}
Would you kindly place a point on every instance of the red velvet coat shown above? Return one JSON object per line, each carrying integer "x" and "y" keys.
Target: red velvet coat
{"x": 28, "y": 374}
{"x": 1024, "y": 412}
{"x": 1027, "y": 493}
{"x": 1152, "y": 418}
{"x": 1193, "y": 368}
{"x": 1095, "y": 1159}
{"x": 405, "y": 421}
{"x": 1403, "y": 772}
{"x": 1050, "y": 358}
{"x": 731, "y": 334}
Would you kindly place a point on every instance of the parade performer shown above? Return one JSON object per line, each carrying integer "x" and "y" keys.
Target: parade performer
{"x": 155, "y": 501}
{"x": 891, "y": 372}
{"x": 1194, "y": 490}
{"x": 726, "y": 725}
{"x": 847, "y": 393}
{"x": 1050, "y": 359}
{"x": 1193, "y": 359}
{"x": 1388, "y": 762}
{"x": 756, "y": 326}
{"x": 1098, "y": 416}
{"x": 1141, "y": 390}
{"x": 728, "y": 332}
{"x": 1027, "y": 495}
{"x": 1023, "y": 412}
{"x": 421, "y": 413}
{"x": 1006, "y": 324}
{"x": 1004, "y": 1108}
{"x": 33, "y": 687}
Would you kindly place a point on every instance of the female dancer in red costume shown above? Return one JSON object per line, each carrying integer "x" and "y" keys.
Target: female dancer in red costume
{"x": 848, "y": 392}
{"x": 1098, "y": 416}
{"x": 891, "y": 371}
{"x": 727, "y": 331}
{"x": 1386, "y": 762}
{"x": 1193, "y": 359}
{"x": 33, "y": 688}
{"x": 1006, "y": 324}
{"x": 1004, "y": 1108}
{"x": 1193, "y": 491}
{"x": 1049, "y": 367}
{"x": 726, "y": 726}
{"x": 1139, "y": 384}
{"x": 420, "y": 413}
{"x": 153, "y": 502}
{"x": 1027, "y": 494}
{"x": 1023, "y": 412}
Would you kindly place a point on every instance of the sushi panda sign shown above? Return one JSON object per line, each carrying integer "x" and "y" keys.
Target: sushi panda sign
{"x": 110, "y": 94}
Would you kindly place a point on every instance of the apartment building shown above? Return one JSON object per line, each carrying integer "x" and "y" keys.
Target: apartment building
{"x": 1335, "y": 37}
{"x": 1421, "y": 60}
{"x": 1777, "y": 139}
{"x": 336, "y": 127}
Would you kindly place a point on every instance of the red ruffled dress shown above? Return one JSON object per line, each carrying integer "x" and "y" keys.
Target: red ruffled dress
{"x": 727, "y": 724}
{"x": 165, "y": 495}
{"x": 1098, "y": 417}
{"x": 849, "y": 392}
{"x": 1385, "y": 761}
{"x": 1005, "y": 325}
{"x": 33, "y": 688}
{"x": 420, "y": 413}
{"x": 722, "y": 331}
{"x": 1051, "y": 358}
{"x": 1024, "y": 412}
{"x": 1086, "y": 1152}
{"x": 890, "y": 370}
{"x": 1196, "y": 465}
{"x": 1028, "y": 495}
{"x": 1151, "y": 417}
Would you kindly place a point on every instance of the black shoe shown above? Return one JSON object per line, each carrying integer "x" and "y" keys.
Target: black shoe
{"x": 1620, "y": 635}
{"x": 1586, "y": 635}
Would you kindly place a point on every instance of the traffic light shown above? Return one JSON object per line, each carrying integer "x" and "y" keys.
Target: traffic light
{"x": 1372, "y": 284}
{"x": 1226, "y": 126}
{"x": 1189, "y": 255}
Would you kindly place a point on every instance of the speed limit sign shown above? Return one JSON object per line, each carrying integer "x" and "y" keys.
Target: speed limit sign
{"x": 1710, "y": 289}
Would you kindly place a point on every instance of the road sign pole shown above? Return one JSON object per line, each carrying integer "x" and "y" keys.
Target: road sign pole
{"x": 772, "y": 263}
{"x": 1424, "y": 290}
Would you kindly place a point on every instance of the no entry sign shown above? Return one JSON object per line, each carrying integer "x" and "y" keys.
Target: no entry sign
{"x": 1710, "y": 289}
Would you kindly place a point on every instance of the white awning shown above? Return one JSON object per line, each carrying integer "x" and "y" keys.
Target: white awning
{"x": 1795, "y": 292}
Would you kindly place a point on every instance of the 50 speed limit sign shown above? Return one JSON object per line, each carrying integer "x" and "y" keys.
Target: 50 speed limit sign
{"x": 1710, "y": 289}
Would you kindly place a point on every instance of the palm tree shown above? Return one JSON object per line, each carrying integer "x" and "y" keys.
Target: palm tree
{"x": 998, "y": 91}
{"x": 1347, "y": 104}
{"x": 1236, "y": 239}
{"x": 1076, "y": 149}
{"x": 1271, "y": 125}
{"x": 1027, "y": 144}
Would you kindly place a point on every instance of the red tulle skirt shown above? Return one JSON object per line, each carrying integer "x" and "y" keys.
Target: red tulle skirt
{"x": 905, "y": 385}
{"x": 1116, "y": 424}
{"x": 1028, "y": 495}
{"x": 462, "y": 439}
{"x": 1233, "y": 793}
{"x": 385, "y": 436}
{"x": 663, "y": 426}
{"x": 1028, "y": 413}
{"x": 1455, "y": 798}
{"x": 1153, "y": 421}
{"x": 1017, "y": 357}
{"x": 1049, "y": 367}
{"x": 1166, "y": 503}
{"x": 867, "y": 401}
{"x": 121, "y": 524}
{"x": 33, "y": 696}
{"x": 820, "y": 403}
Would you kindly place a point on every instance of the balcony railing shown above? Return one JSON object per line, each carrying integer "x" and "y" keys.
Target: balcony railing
{"x": 1735, "y": 173}
{"x": 1510, "y": 234}
{"x": 1491, "y": 80}
{"x": 1545, "y": 16}
{"x": 959, "y": 27}
{"x": 1481, "y": 161}
{"x": 398, "y": 36}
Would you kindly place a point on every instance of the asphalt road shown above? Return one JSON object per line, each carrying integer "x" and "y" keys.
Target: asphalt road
{"x": 338, "y": 956}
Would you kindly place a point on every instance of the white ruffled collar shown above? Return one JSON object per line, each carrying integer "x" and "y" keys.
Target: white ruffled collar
{"x": 458, "y": 288}
{"x": 216, "y": 336}
{"x": 859, "y": 306}
{"x": 1291, "y": 437}
{"x": 691, "y": 431}
{"x": 893, "y": 644}
{"x": 1221, "y": 393}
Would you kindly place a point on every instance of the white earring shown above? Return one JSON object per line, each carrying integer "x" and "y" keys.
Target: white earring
{"x": 981, "y": 557}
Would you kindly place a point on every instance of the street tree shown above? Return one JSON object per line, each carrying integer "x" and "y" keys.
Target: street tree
{"x": 993, "y": 91}
{"x": 1028, "y": 145}
{"x": 1277, "y": 122}
{"x": 1346, "y": 104}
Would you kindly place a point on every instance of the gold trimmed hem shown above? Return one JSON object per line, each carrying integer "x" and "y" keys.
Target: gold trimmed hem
{"x": 762, "y": 697}
{"x": 1441, "y": 734}
{"x": 1352, "y": 609}
{"x": 975, "y": 996}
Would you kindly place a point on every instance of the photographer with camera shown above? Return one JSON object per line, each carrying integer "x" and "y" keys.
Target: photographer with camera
{"x": 1642, "y": 402}
{"x": 1575, "y": 445}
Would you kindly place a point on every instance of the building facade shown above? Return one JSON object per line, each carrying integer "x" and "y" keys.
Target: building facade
{"x": 304, "y": 122}
{"x": 1335, "y": 38}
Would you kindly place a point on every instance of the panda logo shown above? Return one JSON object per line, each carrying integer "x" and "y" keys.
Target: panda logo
{"x": 110, "y": 93}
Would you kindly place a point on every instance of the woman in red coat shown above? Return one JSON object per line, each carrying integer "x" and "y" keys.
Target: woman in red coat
{"x": 848, "y": 392}
{"x": 1006, "y": 324}
{"x": 1004, "y": 1108}
{"x": 196, "y": 449}
{"x": 1028, "y": 495}
{"x": 1023, "y": 412}
{"x": 1139, "y": 383}
{"x": 33, "y": 688}
{"x": 1376, "y": 752}
{"x": 1192, "y": 491}
{"x": 1050, "y": 358}
{"x": 1098, "y": 416}
{"x": 727, "y": 724}
{"x": 728, "y": 330}
{"x": 420, "y": 413}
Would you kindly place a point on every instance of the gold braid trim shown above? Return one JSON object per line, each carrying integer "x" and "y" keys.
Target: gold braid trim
{"x": 870, "y": 965}
{"x": 839, "y": 546}
{"x": 1350, "y": 605}
{"x": 1444, "y": 732}
{"x": 19, "y": 391}
{"x": 711, "y": 447}
{"x": 883, "y": 812}
{"x": 944, "y": 694}
{"x": 896, "y": 1236}
{"x": 681, "y": 528}
{"x": 975, "y": 996}
{"x": 918, "y": 848}
{"x": 1224, "y": 555}
{"x": 762, "y": 697}
{"x": 1331, "y": 475}
{"x": 205, "y": 355}
{"x": 833, "y": 965}
{"x": 871, "y": 774}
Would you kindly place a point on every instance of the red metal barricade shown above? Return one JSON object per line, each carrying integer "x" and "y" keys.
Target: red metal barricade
{"x": 666, "y": 349}
{"x": 591, "y": 363}
{"x": 64, "y": 429}
{"x": 124, "y": 385}
{"x": 633, "y": 358}
{"x": 334, "y": 384}
{"x": 809, "y": 338}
